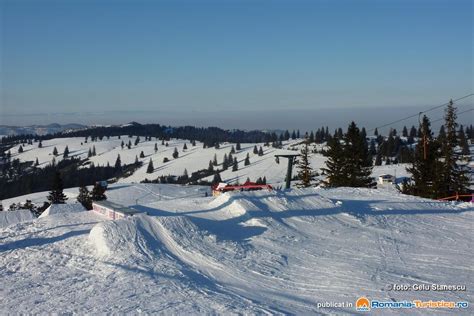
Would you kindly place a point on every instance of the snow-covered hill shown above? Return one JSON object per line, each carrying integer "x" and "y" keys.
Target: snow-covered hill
{"x": 192, "y": 159}
{"x": 248, "y": 253}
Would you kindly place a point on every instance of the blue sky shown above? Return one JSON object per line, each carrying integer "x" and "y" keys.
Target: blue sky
{"x": 201, "y": 56}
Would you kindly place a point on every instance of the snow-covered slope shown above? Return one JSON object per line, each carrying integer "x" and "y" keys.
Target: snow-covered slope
{"x": 10, "y": 218}
{"x": 192, "y": 159}
{"x": 250, "y": 252}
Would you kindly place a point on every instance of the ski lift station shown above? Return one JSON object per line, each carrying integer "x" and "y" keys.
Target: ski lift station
{"x": 112, "y": 210}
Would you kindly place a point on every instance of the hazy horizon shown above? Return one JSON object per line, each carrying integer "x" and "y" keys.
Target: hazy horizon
{"x": 194, "y": 57}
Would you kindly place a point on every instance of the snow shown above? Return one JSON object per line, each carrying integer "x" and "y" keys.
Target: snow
{"x": 193, "y": 159}
{"x": 275, "y": 252}
{"x": 62, "y": 208}
{"x": 9, "y": 218}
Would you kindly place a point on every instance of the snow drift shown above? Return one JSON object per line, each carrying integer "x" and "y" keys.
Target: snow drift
{"x": 8, "y": 218}
{"x": 54, "y": 209}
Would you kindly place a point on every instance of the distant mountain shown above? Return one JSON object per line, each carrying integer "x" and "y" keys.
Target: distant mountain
{"x": 38, "y": 129}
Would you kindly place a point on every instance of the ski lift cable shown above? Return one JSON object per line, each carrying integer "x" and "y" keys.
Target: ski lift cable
{"x": 440, "y": 119}
{"x": 416, "y": 115}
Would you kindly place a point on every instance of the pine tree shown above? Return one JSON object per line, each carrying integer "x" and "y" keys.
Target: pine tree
{"x": 185, "y": 147}
{"x": 84, "y": 198}
{"x": 129, "y": 145}
{"x": 217, "y": 179}
{"x": 137, "y": 140}
{"x": 260, "y": 151}
{"x": 93, "y": 151}
{"x": 118, "y": 163}
{"x": 247, "y": 160}
{"x": 210, "y": 168}
{"x": 358, "y": 162}
{"x": 40, "y": 144}
{"x": 305, "y": 172}
{"x": 36, "y": 162}
{"x": 214, "y": 161}
{"x": 150, "y": 167}
{"x": 453, "y": 177}
{"x": 235, "y": 165}
{"x": 56, "y": 196}
{"x": 142, "y": 154}
{"x": 425, "y": 166}
{"x": 175, "y": 153}
{"x": 335, "y": 173}
{"x": 376, "y": 132}
{"x": 122, "y": 144}
{"x": 225, "y": 162}
{"x": 255, "y": 150}
{"x": 20, "y": 149}
{"x": 98, "y": 193}
{"x": 232, "y": 150}
{"x": 293, "y": 135}
{"x": 55, "y": 151}
{"x": 137, "y": 162}
{"x": 238, "y": 147}
{"x": 217, "y": 146}
{"x": 66, "y": 152}
{"x": 405, "y": 131}
{"x": 156, "y": 148}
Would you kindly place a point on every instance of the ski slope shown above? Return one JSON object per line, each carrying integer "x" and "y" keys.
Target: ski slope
{"x": 193, "y": 159}
{"x": 278, "y": 252}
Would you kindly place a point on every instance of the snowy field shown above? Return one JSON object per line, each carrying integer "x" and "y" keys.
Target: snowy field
{"x": 279, "y": 252}
{"x": 193, "y": 159}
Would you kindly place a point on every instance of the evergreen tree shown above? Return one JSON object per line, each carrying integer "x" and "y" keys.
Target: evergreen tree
{"x": 305, "y": 172}
{"x": 56, "y": 196}
{"x": 247, "y": 160}
{"x": 137, "y": 140}
{"x": 358, "y": 162}
{"x": 217, "y": 179}
{"x": 293, "y": 135}
{"x": 260, "y": 151}
{"x": 40, "y": 144}
{"x": 150, "y": 167}
{"x": 55, "y": 151}
{"x": 232, "y": 150}
{"x": 378, "y": 160}
{"x": 36, "y": 162}
{"x": 20, "y": 149}
{"x": 175, "y": 153}
{"x": 235, "y": 165}
{"x": 425, "y": 167}
{"x": 217, "y": 146}
{"x": 142, "y": 154}
{"x": 84, "y": 198}
{"x": 238, "y": 147}
{"x": 255, "y": 150}
{"x": 334, "y": 170}
{"x": 137, "y": 162}
{"x": 225, "y": 162}
{"x": 376, "y": 132}
{"x": 210, "y": 168}
{"x": 214, "y": 161}
{"x": 118, "y": 162}
{"x": 129, "y": 145}
{"x": 462, "y": 140}
{"x": 405, "y": 131}
{"x": 93, "y": 151}
{"x": 98, "y": 193}
{"x": 453, "y": 176}
{"x": 122, "y": 144}
{"x": 66, "y": 152}
{"x": 156, "y": 148}
{"x": 185, "y": 147}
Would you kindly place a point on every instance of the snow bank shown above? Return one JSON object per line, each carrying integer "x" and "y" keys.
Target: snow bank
{"x": 62, "y": 208}
{"x": 8, "y": 218}
{"x": 136, "y": 236}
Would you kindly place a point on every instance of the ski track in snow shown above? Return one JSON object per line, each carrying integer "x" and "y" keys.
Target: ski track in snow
{"x": 262, "y": 252}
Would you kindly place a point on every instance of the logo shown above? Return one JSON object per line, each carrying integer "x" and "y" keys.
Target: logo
{"x": 363, "y": 304}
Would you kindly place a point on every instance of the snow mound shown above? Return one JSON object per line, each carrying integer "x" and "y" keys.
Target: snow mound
{"x": 137, "y": 236}
{"x": 62, "y": 208}
{"x": 8, "y": 218}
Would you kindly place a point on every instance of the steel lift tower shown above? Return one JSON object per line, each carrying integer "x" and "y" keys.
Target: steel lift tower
{"x": 291, "y": 160}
